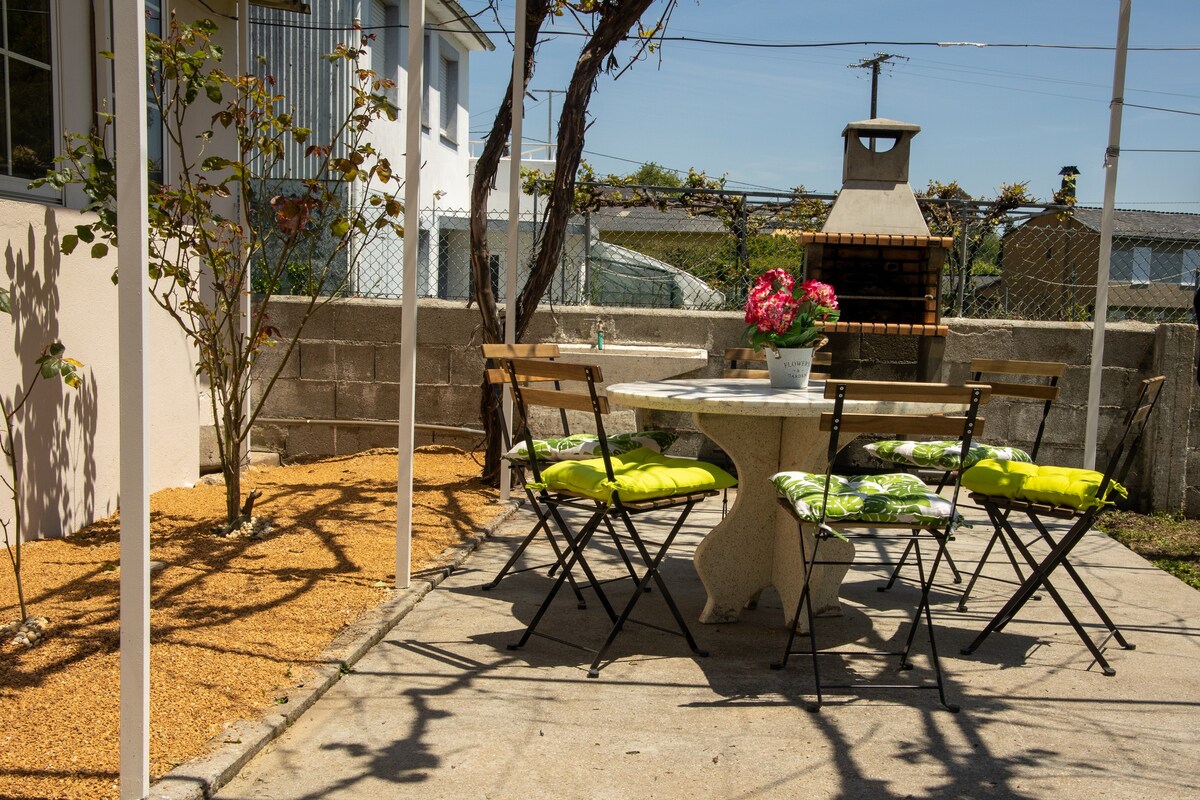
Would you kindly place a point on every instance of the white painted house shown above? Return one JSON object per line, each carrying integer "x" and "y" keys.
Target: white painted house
{"x": 290, "y": 45}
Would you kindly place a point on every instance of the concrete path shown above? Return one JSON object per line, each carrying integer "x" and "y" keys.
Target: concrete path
{"x": 441, "y": 708}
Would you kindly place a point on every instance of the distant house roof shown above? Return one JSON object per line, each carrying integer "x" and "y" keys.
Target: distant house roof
{"x": 1143, "y": 224}
{"x": 465, "y": 24}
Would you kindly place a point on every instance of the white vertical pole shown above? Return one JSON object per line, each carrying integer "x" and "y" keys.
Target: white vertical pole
{"x": 129, "y": 46}
{"x": 408, "y": 322}
{"x": 1111, "y": 156}
{"x": 514, "y": 211}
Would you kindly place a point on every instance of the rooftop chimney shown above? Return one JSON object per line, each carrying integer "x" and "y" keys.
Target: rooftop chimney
{"x": 1066, "y": 193}
{"x": 875, "y": 195}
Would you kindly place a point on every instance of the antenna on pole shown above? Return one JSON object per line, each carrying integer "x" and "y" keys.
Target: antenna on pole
{"x": 549, "y": 119}
{"x": 874, "y": 64}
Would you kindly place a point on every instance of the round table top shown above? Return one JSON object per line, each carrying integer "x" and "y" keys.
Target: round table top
{"x": 749, "y": 397}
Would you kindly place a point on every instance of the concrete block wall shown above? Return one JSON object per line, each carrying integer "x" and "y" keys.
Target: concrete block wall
{"x": 346, "y": 368}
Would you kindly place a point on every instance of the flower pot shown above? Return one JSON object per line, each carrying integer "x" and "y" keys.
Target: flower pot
{"x": 789, "y": 367}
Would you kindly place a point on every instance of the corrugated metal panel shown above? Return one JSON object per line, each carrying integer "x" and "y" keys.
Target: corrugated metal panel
{"x": 293, "y": 46}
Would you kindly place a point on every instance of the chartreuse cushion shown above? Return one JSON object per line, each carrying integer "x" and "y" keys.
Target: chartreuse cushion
{"x": 941, "y": 454}
{"x": 1061, "y": 486}
{"x": 587, "y": 445}
{"x": 641, "y": 474}
{"x": 898, "y": 497}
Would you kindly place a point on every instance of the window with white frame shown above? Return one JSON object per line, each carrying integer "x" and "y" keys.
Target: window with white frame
{"x": 448, "y": 90}
{"x": 27, "y": 127}
{"x": 1191, "y": 267}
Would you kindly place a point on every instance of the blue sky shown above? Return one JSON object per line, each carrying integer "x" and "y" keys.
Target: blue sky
{"x": 772, "y": 118}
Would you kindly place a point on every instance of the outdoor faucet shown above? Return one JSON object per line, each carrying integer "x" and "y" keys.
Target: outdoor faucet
{"x": 599, "y": 333}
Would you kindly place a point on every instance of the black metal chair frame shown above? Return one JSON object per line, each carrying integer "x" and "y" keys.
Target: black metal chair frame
{"x": 600, "y": 512}
{"x": 1048, "y": 391}
{"x": 840, "y": 421}
{"x": 496, "y": 371}
{"x": 998, "y": 508}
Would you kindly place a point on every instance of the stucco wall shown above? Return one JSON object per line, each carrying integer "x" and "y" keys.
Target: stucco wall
{"x": 68, "y": 439}
{"x": 347, "y": 367}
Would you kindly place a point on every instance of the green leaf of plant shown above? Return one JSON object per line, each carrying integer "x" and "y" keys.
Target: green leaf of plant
{"x": 339, "y": 228}
{"x": 99, "y": 250}
{"x": 57, "y": 349}
{"x": 5, "y": 301}
{"x": 69, "y": 243}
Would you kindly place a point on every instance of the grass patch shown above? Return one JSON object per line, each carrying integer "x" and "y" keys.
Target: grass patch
{"x": 1169, "y": 541}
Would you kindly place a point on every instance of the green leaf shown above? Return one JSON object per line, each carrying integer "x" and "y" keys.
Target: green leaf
{"x": 213, "y": 163}
{"x": 5, "y": 301}
{"x": 99, "y": 250}
{"x": 85, "y": 234}
{"x": 339, "y": 228}
{"x": 57, "y": 349}
{"x": 69, "y": 243}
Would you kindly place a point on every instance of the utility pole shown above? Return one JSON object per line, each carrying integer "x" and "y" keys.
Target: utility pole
{"x": 549, "y": 119}
{"x": 874, "y": 64}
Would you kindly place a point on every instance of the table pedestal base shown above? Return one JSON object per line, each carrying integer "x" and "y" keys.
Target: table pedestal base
{"x": 758, "y": 543}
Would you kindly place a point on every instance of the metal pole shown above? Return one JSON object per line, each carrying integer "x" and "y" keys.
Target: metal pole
{"x": 243, "y": 66}
{"x": 408, "y": 320}
{"x": 1111, "y": 156}
{"x": 514, "y": 211}
{"x": 129, "y": 74}
{"x": 962, "y": 262}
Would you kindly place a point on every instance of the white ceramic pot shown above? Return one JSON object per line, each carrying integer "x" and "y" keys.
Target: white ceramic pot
{"x": 789, "y": 367}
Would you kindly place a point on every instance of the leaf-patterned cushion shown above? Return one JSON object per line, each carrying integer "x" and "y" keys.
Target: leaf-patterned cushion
{"x": 941, "y": 455}
{"x": 897, "y": 497}
{"x": 580, "y": 446}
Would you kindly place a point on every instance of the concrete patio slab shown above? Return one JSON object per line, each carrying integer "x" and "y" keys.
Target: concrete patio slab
{"x": 440, "y": 707}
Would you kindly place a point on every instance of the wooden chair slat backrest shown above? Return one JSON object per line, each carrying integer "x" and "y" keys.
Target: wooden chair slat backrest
{"x": 563, "y": 399}
{"x": 931, "y": 425}
{"x": 1122, "y": 454}
{"x": 1045, "y": 386}
{"x": 538, "y": 350}
{"x": 1043, "y": 369}
{"x": 496, "y": 373}
{"x": 736, "y": 357}
{"x": 558, "y": 397}
{"x": 905, "y": 391}
{"x": 935, "y": 423}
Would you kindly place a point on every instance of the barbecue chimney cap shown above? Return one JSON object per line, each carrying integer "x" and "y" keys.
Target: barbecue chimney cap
{"x": 1069, "y": 171}
{"x": 880, "y": 125}
{"x": 863, "y": 159}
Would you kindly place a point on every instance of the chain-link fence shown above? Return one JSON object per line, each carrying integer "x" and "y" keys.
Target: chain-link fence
{"x": 1034, "y": 262}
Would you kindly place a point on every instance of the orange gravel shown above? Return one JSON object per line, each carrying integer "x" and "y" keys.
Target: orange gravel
{"x": 235, "y": 623}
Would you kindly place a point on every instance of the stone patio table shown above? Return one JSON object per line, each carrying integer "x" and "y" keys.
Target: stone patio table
{"x": 764, "y": 430}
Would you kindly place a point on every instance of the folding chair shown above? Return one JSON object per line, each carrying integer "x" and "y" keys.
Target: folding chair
{"x": 496, "y": 358}
{"x": 879, "y": 507}
{"x": 1038, "y": 492}
{"x": 1019, "y": 380}
{"x": 620, "y": 486}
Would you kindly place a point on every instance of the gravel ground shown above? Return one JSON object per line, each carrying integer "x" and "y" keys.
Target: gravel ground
{"x": 235, "y": 622}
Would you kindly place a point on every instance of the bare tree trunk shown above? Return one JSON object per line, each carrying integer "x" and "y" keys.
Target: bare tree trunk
{"x": 616, "y": 18}
{"x": 485, "y": 176}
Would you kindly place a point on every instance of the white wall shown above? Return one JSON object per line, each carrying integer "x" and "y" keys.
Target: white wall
{"x": 69, "y": 438}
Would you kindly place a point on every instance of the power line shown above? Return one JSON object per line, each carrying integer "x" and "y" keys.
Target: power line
{"x": 735, "y": 42}
{"x": 1158, "y": 108}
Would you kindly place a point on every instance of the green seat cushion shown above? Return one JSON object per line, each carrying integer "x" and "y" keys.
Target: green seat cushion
{"x": 897, "y": 497}
{"x": 1060, "y": 486}
{"x": 579, "y": 446}
{"x": 942, "y": 454}
{"x": 641, "y": 474}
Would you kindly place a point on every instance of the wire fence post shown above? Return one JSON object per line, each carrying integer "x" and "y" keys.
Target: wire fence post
{"x": 962, "y": 263}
